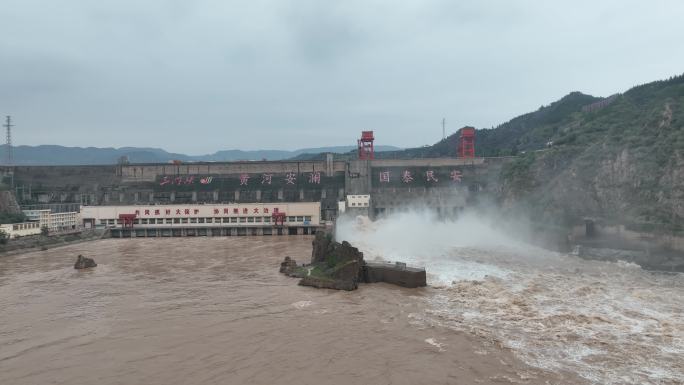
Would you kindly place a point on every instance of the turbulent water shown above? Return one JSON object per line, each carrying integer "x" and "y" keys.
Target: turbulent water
{"x": 216, "y": 311}
{"x": 611, "y": 323}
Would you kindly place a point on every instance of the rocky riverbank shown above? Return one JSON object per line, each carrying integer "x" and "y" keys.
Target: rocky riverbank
{"x": 41, "y": 242}
{"x": 646, "y": 258}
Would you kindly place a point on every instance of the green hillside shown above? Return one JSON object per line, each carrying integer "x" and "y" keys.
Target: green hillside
{"x": 623, "y": 163}
{"x": 526, "y": 132}
{"x": 534, "y": 130}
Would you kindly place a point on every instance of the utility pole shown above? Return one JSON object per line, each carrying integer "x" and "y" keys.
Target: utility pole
{"x": 8, "y": 126}
{"x": 443, "y": 128}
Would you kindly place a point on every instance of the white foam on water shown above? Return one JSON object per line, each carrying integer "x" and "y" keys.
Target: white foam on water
{"x": 612, "y": 323}
{"x": 302, "y": 304}
{"x": 433, "y": 342}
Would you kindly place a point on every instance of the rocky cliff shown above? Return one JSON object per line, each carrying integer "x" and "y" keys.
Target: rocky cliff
{"x": 622, "y": 164}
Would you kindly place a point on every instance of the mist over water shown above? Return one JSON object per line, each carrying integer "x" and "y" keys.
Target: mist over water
{"x": 420, "y": 238}
{"x": 612, "y": 323}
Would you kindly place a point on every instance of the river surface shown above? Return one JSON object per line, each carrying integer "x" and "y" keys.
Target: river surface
{"x": 608, "y": 322}
{"x": 216, "y": 311}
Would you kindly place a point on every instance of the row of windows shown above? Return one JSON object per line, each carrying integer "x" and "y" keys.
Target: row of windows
{"x": 168, "y": 221}
{"x": 25, "y": 226}
{"x": 364, "y": 204}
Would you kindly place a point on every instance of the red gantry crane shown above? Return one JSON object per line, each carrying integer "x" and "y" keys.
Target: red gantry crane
{"x": 466, "y": 143}
{"x": 366, "y": 151}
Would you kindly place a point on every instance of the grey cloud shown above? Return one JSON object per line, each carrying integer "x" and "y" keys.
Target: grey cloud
{"x": 199, "y": 76}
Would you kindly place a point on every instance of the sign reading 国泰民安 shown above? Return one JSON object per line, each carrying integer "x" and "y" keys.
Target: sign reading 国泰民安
{"x": 418, "y": 177}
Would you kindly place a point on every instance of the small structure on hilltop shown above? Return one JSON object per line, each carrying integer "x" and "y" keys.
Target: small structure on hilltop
{"x": 341, "y": 266}
{"x": 84, "y": 263}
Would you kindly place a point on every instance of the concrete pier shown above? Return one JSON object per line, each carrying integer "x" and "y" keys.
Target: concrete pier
{"x": 394, "y": 273}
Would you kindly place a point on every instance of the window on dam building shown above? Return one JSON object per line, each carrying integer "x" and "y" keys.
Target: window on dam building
{"x": 170, "y": 221}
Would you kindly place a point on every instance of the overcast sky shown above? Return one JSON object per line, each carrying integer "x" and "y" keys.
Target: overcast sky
{"x": 197, "y": 76}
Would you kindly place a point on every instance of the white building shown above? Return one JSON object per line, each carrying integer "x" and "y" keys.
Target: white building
{"x": 204, "y": 215}
{"x": 16, "y": 230}
{"x": 55, "y": 222}
{"x": 358, "y": 205}
{"x": 64, "y": 221}
{"x": 356, "y": 201}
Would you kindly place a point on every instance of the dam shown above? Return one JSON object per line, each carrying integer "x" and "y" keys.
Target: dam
{"x": 286, "y": 197}
{"x": 446, "y": 185}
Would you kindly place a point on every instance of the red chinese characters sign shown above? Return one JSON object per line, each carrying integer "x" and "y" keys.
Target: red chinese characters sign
{"x": 244, "y": 179}
{"x": 206, "y": 211}
{"x": 185, "y": 180}
{"x": 417, "y": 177}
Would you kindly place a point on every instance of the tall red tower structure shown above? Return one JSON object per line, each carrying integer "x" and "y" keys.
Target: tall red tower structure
{"x": 366, "y": 150}
{"x": 466, "y": 143}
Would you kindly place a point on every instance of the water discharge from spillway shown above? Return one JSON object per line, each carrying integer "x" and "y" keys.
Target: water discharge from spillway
{"x": 612, "y": 323}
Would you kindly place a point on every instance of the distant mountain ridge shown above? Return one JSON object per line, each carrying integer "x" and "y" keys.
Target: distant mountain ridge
{"x": 61, "y": 155}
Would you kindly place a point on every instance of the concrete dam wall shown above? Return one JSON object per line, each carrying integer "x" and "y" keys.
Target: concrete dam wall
{"x": 446, "y": 184}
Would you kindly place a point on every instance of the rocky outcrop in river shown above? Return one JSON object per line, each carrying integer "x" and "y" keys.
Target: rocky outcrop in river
{"x": 84, "y": 263}
{"x": 290, "y": 268}
{"x": 333, "y": 265}
{"x": 341, "y": 266}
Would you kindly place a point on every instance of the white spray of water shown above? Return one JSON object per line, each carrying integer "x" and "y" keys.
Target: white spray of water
{"x": 612, "y": 323}
{"x": 421, "y": 232}
{"x": 419, "y": 238}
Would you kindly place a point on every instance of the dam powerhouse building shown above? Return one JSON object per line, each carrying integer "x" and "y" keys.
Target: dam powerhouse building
{"x": 205, "y": 219}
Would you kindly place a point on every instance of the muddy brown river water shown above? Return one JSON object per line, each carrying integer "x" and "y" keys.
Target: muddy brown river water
{"x": 216, "y": 311}
{"x": 611, "y": 323}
